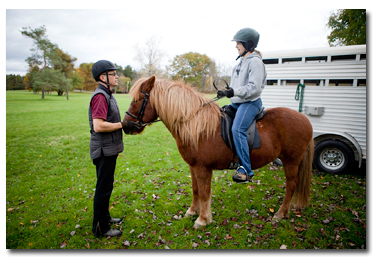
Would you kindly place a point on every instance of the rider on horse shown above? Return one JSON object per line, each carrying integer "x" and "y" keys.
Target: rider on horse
{"x": 247, "y": 82}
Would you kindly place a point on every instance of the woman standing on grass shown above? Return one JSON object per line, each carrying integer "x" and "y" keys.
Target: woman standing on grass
{"x": 247, "y": 82}
{"x": 106, "y": 142}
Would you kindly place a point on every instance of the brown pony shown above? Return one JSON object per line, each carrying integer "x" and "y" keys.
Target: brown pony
{"x": 284, "y": 133}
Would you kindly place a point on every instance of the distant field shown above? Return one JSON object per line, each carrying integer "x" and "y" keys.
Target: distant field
{"x": 50, "y": 182}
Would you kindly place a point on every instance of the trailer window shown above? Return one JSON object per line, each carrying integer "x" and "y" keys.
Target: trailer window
{"x": 341, "y": 82}
{"x": 271, "y": 61}
{"x": 348, "y": 57}
{"x": 363, "y": 57}
{"x": 272, "y": 82}
{"x": 361, "y": 82}
{"x": 290, "y": 82}
{"x": 292, "y": 60}
{"x": 316, "y": 59}
{"x": 314, "y": 82}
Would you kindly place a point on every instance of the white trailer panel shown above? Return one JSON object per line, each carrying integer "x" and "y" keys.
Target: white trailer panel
{"x": 334, "y": 96}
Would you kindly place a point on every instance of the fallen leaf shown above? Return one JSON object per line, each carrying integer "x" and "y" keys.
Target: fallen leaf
{"x": 225, "y": 222}
{"x": 227, "y": 237}
{"x": 63, "y": 244}
{"x": 283, "y": 247}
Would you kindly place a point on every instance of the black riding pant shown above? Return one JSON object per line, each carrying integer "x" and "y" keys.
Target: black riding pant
{"x": 105, "y": 166}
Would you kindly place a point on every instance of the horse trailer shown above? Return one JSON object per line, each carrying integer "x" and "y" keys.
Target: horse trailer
{"x": 328, "y": 85}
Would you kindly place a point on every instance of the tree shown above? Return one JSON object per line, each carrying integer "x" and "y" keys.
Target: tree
{"x": 348, "y": 27}
{"x": 14, "y": 82}
{"x": 51, "y": 80}
{"x": 124, "y": 84}
{"x": 44, "y": 51}
{"x": 129, "y": 72}
{"x": 149, "y": 57}
{"x": 85, "y": 70}
{"x": 28, "y": 79}
{"x": 47, "y": 55}
{"x": 193, "y": 68}
{"x": 77, "y": 79}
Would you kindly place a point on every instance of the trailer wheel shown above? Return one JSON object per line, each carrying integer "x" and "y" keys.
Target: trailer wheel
{"x": 333, "y": 157}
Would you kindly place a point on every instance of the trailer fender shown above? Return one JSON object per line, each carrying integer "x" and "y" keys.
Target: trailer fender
{"x": 346, "y": 137}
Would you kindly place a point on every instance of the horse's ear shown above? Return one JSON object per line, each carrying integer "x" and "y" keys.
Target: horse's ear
{"x": 149, "y": 83}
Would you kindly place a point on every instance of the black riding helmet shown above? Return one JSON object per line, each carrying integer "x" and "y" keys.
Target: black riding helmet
{"x": 248, "y": 37}
{"x": 100, "y": 67}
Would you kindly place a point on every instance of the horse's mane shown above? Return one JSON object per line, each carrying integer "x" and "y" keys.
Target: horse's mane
{"x": 180, "y": 108}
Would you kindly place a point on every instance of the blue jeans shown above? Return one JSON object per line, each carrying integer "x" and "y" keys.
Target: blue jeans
{"x": 245, "y": 115}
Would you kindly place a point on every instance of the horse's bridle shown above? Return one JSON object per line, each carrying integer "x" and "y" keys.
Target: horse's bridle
{"x": 141, "y": 111}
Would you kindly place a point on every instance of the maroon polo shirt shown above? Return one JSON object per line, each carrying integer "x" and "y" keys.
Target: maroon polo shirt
{"x": 99, "y": 107}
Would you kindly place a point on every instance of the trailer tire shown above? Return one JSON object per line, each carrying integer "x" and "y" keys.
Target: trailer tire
{"x": 333, "y": 156}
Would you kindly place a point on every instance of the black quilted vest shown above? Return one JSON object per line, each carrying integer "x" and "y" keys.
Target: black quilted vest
{"x": 106, "y": 143}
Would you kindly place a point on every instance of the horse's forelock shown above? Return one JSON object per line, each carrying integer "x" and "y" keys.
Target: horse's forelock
{"x": 135, "y": 89}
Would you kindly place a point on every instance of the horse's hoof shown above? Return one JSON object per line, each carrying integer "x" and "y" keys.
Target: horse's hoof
{"x": 199, "y": 224}
{"x": 279, "y": 217}
{"x": 189, "y": 213}
{"x": 276, "y": 218}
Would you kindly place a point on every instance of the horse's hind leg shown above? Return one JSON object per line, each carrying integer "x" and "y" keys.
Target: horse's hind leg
{"x": 195, "y": 204}
{"x": 291, "y": 175}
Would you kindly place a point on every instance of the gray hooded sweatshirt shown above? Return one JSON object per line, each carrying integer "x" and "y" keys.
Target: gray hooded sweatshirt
{"x": 248, "y": 79}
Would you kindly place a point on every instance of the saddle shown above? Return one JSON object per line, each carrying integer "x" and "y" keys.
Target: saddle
{"x": 253, "y": 138}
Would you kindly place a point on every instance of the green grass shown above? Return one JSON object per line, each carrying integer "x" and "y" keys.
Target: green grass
{"x": 50, "y": 182}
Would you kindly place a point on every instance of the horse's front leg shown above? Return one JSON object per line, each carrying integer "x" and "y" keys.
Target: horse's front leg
{"x": 203, "y": 179}
{"x": 291, "y": 175}
{"x": 195, "y": 204}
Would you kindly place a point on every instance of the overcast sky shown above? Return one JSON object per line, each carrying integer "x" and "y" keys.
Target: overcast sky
{"x": 206, "y": 27}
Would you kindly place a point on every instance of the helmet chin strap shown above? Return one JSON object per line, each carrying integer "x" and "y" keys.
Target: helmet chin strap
{"x": 107, "y": 80}
{"x": 242, "y": 55}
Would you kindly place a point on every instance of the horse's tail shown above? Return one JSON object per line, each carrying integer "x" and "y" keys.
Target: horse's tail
{"x": 301, "y": 195}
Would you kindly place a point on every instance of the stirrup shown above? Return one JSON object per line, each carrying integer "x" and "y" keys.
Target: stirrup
{"x": 241, "y": 177}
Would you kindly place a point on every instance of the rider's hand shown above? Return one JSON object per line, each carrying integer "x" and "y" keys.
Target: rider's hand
{"x": 225, "y": 93}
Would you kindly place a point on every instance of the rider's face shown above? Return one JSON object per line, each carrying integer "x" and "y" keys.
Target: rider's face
{"x": 240, "y": 48}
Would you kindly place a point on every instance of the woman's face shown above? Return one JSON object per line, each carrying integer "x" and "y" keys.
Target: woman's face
{"x": 240, "y": 48}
